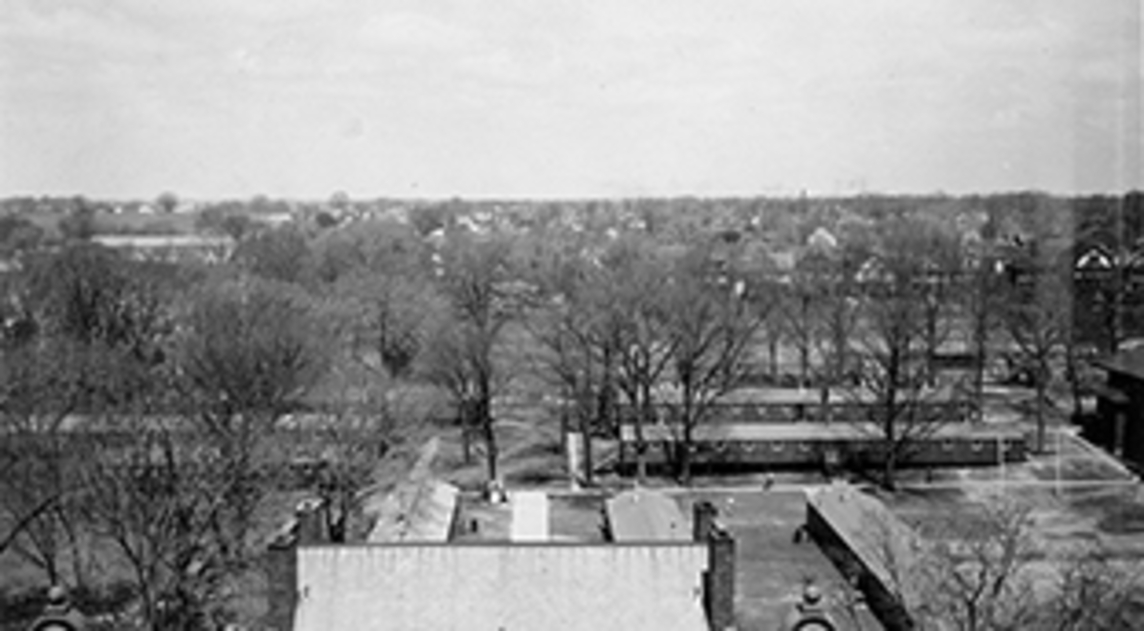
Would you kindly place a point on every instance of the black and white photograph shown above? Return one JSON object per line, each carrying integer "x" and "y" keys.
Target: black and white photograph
{"x": 571, "y": 315}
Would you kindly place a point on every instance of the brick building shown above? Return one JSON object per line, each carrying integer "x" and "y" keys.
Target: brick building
{"x": 623, "y": 586}
{"x": 1118, "y": 426}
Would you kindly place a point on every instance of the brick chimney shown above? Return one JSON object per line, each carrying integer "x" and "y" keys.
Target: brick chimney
{"x": 720, "y": 583}
{"x": 282, "y": 584}
{"x": 310, "y": 516}
{"x": 703, "y": 520}
{"x": 719, "y": 579}
{"x": 309, "y": 528}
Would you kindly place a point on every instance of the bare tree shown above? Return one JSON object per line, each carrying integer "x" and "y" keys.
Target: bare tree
{"x": 796, "y": 308}
{"x": 384, "y": 320}
{"x": 167, "y": 202}
{"x": 895, "y": 337}
{"x": 635, "y": 279}
{"x": 981, "y": 305}
{"x": 1095, "y": 592}
{"x": 460, "y": 353}
{"x": 278, "y": 254}
{"x": 36, "y": 479}
{"x": 336, "y": 456}
{"x": 710, "y": 327}
{"x": 458, "y": 359}
{"x": 160, "y": 495}
{"x": 247, "y": 354}
{"x": 980, "y": 577}
{"x": 577, "y": 357}
{"x": 92, "y": 345}
{"x": 984, "y": 571}
{"x": 1038, "y": 320}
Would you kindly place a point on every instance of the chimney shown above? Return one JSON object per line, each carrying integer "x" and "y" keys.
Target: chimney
{"x": 719, "y": 579}
{"x": 282, "y": 584}
{"x": 309, "y": 528}
{"x": 310, "y": 515}
{"x": 703, "y": 521}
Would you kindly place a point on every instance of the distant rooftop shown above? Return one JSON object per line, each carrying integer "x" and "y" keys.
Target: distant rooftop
{"x": 1128, "y": 362}
{"x": 161, "y": 240}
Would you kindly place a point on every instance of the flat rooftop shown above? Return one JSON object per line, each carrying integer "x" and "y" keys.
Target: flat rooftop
{"x": 771, "y": 569}
{"x": 809, "y": 431}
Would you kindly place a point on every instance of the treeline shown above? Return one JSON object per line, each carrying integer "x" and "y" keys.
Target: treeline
{"x": 1107, "y": 218}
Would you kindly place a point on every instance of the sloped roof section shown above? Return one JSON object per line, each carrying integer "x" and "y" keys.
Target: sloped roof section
{"x": 419, "y": 509}
{"x": 887, "y": 546}
{"x": 414, "y": 512}
{"x": 550, "y": 587}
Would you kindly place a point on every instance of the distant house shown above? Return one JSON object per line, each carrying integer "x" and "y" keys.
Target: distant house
{"x": 872, "y": 271}
{"x": 275, "y": 219}
{"x": 1094, "y": 258}
{"x": 822, "y": 239}
{"x": 626, "y": 586}
{"x": 1119, "y": 424}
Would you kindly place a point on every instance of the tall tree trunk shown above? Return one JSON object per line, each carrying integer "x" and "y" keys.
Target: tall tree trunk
{"x": 803, "y": 364}
{"x": 466, "y": 445}
{"x": 688, "y": 419}
{"x": 889, "y": 470}
{"x": 485, "y": 420}
{"x": 490, "y": 449}
{"x": 606, "y": 397}
{"x": 1117, "y": 311}
{"x": 773, "y": 354}
{"x": 465, "y": 411}
{"x": 564, "y": 424}
{"x": 804, "y": 345}
{"x": 980, "y": 343}
{"x": 1040, "y": 410}
{"x": 1072, "y": 374}
{"x": 931, "y": 344}
{"x": 890, "y": 422}
{"x": 586, "y": 452}
{"x": 644, "y": 416}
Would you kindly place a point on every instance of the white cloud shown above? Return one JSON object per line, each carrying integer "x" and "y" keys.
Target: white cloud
{"x": 576, "y": 96}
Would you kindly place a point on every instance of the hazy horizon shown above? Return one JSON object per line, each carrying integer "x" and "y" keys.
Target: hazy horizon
{"x": 569, "y": 99}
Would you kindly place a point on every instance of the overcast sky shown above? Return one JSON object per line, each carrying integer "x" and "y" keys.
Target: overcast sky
{"x": 301, "y": 98}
